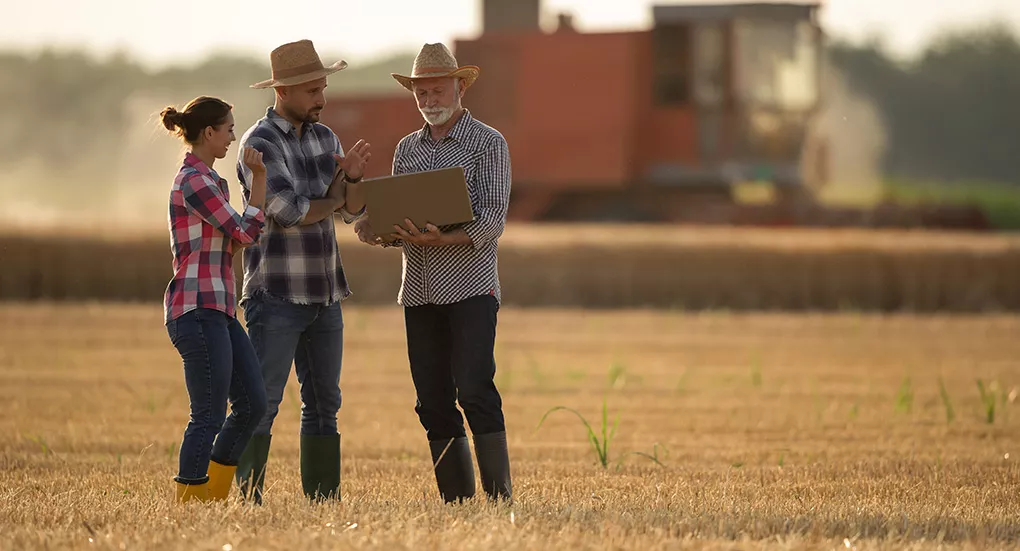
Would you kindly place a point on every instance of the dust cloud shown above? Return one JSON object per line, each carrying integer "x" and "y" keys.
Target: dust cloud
{"x": 852, "y": 128}
{"x": 122, "y": 190}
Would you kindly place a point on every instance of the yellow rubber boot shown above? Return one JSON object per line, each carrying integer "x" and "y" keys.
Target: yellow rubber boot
{"x": 189, "y": 492}
{"x": 220, "y": 478}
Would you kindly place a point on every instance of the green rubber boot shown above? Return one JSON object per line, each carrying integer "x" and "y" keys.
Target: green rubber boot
{"x": 251, "y": 468}
{"x": 320, "y": 466}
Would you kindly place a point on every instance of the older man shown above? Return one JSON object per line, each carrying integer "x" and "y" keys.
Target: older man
{"x": 294, "y": 279}
{"x": 450, "y": 289}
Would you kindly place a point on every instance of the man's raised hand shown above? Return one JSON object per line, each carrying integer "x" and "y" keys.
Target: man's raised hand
{"x": 354, "y": 163}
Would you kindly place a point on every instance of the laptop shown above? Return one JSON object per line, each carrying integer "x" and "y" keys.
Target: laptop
{"x": 437, "y": 197}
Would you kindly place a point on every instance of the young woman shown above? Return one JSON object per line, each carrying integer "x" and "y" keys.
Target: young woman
{"x": 199, "y": 305}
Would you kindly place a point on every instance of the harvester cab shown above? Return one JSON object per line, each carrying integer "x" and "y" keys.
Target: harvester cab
{"x": 750, "y": 75}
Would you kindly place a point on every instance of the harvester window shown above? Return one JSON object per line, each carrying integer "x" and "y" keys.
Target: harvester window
{"x": 671, "y": 62}
{"x": 709, "y": 64}
{"x": 777, "y": 62}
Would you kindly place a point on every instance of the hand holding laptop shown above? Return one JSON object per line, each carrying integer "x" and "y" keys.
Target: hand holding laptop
{"x": 431, "y": 236}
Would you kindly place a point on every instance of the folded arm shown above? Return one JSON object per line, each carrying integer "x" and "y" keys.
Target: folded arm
{"x": 283, "y": 203}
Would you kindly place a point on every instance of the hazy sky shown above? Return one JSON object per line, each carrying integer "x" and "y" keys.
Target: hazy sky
{"x": 182, "y": 31}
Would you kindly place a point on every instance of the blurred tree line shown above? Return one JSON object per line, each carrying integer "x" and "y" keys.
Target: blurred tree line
{"x": 950, "y": 112}
{"x": 68, "y": 107}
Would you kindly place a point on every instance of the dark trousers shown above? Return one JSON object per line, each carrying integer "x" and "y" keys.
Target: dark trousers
{"x": 450, "y": 348}
{"x": 219, "y": 365}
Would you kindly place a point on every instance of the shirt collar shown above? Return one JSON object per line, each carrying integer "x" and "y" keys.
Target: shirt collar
{"x": 458, "y": 132}
{"x": 283, "y": 124}
{"x": 192, "y": 160}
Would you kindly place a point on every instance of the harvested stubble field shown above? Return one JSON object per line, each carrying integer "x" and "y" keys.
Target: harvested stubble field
{"x": 772, "y": 430}
{"x": 689, "y": 268}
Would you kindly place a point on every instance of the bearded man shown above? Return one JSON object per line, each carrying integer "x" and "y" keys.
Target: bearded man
{"x": 294, "y": 279}
{"x": 450, "y": 288}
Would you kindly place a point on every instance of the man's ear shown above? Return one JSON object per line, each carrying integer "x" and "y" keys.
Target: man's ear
{"x": 463, "y": 87}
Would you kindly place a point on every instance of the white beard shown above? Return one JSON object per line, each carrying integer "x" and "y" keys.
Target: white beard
{"x": 438, "y": 117}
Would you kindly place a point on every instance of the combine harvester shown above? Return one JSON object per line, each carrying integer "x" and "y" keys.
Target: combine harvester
{"x": 656, "y": 125}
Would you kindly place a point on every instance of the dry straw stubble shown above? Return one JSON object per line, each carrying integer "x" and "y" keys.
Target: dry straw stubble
{"x": 809, "y": 453}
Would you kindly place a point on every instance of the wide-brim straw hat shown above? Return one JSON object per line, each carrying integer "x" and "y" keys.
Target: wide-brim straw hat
{"x": 434, "y": 61}
{"x": 297, "y": 63}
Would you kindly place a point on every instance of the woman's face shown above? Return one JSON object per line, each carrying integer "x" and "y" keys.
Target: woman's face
{"x": 219, "y": 138}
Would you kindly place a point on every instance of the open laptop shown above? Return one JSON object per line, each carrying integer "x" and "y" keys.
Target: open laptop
{"x": 438, "y": 197}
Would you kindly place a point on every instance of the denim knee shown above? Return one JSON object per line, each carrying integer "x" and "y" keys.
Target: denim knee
{"x": 208, "y": 418}
{"x": 257, "y": 407}
{"x": 216, "y": 418}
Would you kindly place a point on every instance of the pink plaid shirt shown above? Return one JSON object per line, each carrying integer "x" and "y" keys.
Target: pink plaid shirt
{"x": 203, "y": 226}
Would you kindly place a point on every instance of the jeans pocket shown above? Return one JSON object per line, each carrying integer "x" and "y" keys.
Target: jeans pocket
{"x": 252, "y": 309}
{"x": 188, "y": 325}
{"x": 332, "y": 317}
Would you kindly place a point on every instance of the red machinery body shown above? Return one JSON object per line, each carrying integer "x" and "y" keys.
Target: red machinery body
{"x": 630, "y": 125}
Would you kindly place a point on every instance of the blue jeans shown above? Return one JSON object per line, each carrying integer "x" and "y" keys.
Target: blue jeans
{"x": 308, "y": 336}
{"x": 219, "y": 364}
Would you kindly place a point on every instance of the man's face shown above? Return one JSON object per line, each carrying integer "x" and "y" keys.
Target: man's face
{"x": 438, "y": 98}
{"x": 304, "y": 102}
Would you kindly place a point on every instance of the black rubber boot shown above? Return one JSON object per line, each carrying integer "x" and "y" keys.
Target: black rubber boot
{"x": 320, "y": 466}
{"x": 455, "y": 474}
{"x": 494, "y": 465}
{"x": 251, "y": 468}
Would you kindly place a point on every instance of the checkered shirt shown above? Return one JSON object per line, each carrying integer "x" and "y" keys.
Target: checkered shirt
{"x": 294, "y": 262}
{"x": 203, "y": 226}
{"x": 448, "y": 274}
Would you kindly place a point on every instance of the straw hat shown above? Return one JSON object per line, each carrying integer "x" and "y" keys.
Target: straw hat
{"x": 297, "y": 63}
{"x": 436, "y": 60}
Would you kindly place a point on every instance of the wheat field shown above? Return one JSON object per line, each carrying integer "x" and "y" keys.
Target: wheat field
{"x": 778, "y": 431}
{"x": 599, "y": 266}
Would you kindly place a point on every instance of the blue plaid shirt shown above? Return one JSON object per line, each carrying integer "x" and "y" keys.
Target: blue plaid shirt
{"x": 291, "y": 261}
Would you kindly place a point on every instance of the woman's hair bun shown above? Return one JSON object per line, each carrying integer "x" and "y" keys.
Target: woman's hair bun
{"x": 199, "y": 114}
{"x": 171, "y": 118}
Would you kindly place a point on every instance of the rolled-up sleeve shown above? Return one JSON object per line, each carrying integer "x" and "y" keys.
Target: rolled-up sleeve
{"x": 203, "y": 198}
{"x": 283, "y": 203}
{"x": 350, "y": 217}
{"x": 493, "y": 197}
